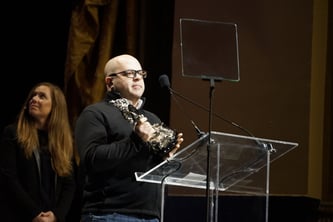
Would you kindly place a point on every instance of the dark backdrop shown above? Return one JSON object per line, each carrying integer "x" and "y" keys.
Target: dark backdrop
{"x": 34, "y": 48}
{"x": 34, "y": 39}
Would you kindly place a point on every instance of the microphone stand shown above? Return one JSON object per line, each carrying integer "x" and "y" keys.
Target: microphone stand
{"x": 209, "y": 196}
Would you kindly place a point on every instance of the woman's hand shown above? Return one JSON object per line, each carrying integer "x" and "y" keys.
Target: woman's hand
{"x": 45, "y": 217}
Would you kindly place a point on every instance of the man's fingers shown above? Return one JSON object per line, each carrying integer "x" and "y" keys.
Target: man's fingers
{"x": 142, "y": 120}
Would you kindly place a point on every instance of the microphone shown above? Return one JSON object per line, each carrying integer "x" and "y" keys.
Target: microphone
{"x": 165, "y": 83}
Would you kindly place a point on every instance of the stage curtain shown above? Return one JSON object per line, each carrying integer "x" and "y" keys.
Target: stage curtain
{"x": 99, "y": 29}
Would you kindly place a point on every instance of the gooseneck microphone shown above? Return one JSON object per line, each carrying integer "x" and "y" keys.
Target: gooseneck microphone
{"x": 165, "y": 83}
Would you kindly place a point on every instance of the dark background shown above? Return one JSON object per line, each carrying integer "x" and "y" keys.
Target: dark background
{"x": 34, "y": 41}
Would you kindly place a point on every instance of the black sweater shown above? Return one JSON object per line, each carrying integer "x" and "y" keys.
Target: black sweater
{"x": 110, "y": 154}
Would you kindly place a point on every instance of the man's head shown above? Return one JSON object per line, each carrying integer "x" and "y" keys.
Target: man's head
{"x": 124, "y": 75}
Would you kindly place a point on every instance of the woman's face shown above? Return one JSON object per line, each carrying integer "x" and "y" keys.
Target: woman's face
{"x": 40, "y": 104}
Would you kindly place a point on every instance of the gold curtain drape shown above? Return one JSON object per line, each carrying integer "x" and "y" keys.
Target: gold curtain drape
{"x": 91, "y": 42}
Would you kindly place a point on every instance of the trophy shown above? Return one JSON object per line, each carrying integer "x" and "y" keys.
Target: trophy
{"x": 164, "y": 139}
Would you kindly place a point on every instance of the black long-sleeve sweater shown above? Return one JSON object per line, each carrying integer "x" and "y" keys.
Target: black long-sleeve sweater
{"x": 110, "y": 154}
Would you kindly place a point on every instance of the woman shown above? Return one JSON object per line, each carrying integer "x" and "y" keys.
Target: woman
{"x": 36, "y": 159}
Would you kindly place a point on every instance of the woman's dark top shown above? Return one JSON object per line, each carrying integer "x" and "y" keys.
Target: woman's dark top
{"x": 29, "y": 186}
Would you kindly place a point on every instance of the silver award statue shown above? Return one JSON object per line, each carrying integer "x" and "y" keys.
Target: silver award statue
{"x": 164, "y": 138}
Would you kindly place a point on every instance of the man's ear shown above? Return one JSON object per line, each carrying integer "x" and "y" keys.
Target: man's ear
{"x": 108, "y": 83}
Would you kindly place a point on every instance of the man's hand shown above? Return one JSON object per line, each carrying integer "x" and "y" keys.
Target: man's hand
{"x": 144, "y": 129}
{"x": 180, "y": 139}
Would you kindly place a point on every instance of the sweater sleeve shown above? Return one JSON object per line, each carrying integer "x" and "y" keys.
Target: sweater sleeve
{"x": 104, "y": 137}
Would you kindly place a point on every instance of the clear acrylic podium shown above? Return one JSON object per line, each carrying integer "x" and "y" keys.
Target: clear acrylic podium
{"x": 233, "y": 160}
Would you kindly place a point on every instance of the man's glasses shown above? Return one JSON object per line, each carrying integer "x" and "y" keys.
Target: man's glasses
{"x": 131, "y": 73}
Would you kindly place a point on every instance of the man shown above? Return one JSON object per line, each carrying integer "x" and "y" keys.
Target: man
{"x": 114, "y": 141}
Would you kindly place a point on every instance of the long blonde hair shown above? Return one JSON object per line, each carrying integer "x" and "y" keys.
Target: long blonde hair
{"x": 60, "y": 136}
